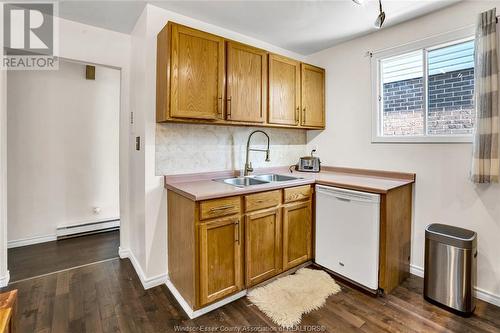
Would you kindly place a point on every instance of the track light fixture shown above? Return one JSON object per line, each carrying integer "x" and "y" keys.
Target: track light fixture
{"x": 381, "y": 16}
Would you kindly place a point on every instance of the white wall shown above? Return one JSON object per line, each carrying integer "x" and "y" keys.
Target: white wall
{"x": 100, "y": 46}
{"x": 443, "y": 192}
{"x": 4, "y": 273}
{"x": 148, "y": 240}
{"x": 63, "y": 149}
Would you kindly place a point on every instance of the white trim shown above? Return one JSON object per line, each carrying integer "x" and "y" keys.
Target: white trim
{"x": 440, "y": 40}
{"x": 487, "y": 296}
{"x": 4, "y": 280}
{"x": 88, "y": 221}
{"x": 30, "y": 241}
{"x": 196, "y": 313}
{"x": 147, "y": 283}
{"x": 123, "y": 253}
{"x": 423, "y": 139}
{"x": 89, "y": 226}
{"x": 481, "y": 294}
{"x": 418, "y": 271}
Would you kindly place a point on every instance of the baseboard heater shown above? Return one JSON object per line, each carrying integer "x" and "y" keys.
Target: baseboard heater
{"x": 87, "y": 228}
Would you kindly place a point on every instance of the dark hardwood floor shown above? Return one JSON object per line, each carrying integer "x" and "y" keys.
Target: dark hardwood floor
{"x": 108, "y": 297}
{"x": 34, "y": 260}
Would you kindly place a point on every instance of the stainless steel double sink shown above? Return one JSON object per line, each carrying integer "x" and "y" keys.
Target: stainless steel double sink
{"x": 256, "y": 180}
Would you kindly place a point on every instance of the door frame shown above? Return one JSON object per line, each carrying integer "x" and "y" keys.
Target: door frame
{"x": 124, "y": 133}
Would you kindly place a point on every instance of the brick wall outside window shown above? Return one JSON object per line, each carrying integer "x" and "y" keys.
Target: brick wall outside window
{"x": 450, "y": 104}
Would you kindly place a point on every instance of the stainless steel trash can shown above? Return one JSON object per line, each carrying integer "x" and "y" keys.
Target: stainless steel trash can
{"x": 450, "y": 267}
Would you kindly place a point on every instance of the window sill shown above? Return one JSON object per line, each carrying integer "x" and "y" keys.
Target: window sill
{"x": 423, "y": 139}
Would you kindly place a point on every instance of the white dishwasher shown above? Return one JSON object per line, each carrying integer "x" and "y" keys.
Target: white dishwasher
{"x": 347, "y": 234}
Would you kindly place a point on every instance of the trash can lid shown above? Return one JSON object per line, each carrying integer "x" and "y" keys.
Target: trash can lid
{"x": 451, "y": 235}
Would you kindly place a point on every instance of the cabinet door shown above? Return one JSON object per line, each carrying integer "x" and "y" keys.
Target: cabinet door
{"x": 297, "y": 234}
{"x": 197, "y": 74}
{"x": 246, "y": 83}
{"x": 220, "y": 259}
{"x": 313, "y": 96}
{"x": 262, "y": 245}
{"x": 284, "y": 90}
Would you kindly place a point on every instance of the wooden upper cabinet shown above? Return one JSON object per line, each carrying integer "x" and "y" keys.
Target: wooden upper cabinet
{"x": 297, "y": 234}
{"x": 284, "y": 90}
{"x": 262, "y": 245}
{"x": 313, "y": 96}
{"x": 246, "y": 83}
{"x": 207, "y": 79}
{"x": 220, "y": 259}
{"x": 197, "y": 74}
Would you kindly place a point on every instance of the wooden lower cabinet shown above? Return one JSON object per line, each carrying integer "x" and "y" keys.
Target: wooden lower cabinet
{"x": 221, "y": 246}
{"x": 220, "y": 258}
{"x": 262, "y": 245}
{"x": 297, "y": 234}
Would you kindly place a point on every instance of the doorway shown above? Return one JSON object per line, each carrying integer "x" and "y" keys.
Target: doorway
{"x": 63, "y": 167}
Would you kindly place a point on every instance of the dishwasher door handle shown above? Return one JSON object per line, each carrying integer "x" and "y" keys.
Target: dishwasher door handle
{"x": 343, "y": 199}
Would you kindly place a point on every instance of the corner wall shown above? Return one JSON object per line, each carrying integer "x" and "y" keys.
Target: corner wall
{"x": 4, "y": 272}
{"x": 442, "y": 192}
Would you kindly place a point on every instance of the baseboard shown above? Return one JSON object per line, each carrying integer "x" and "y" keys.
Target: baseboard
{"x": 418, "y": 271}
{"x": 487, "y": 296}
{"x": 196, "y": 313}
{"x": 147, "y": 283}
{"x": 4, "y": 280}
{"x": 123, "y": 253}
{"x": 30, "y": 241}
{"x": 87, "y": 227}
{"x": 62, "y": 231}
{"x": 479, "y": 293}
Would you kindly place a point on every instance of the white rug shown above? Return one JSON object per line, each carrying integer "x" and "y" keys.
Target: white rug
{"x": 287, "y": 298}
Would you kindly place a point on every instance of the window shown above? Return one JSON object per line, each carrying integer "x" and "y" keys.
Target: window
{"x": 424, "y": 92}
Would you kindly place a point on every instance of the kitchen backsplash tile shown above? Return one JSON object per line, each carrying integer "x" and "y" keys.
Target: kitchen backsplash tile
{"x": 188, "y": 148}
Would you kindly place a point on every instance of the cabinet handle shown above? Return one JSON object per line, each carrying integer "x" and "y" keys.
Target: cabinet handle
{"x": 214, "y": 209}
{"x": 228, "y": 108}
{"x": 304, "y": 115}
{"x": 219, "y": 107}
{"x": 297, "y": 115}
{"x": 237, "y": 224}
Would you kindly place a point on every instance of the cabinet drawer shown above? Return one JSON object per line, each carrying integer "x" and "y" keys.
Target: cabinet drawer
{"x": 219, "y": 207}
{"x": 297, "y": 193}
{"x": 262, "y": 200}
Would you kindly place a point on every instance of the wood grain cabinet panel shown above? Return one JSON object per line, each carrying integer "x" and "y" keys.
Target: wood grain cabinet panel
{"x": 220, "y": 259}
{"x": 262, "y": 245}
{"x": 297, "y": 234}
{"x": 206, "y": 79}
{"x": 298, "y": 193}
{"x": 210, "y": 209}
{"x": 262, "y": 200}
{"x": 197, "y": 74}
{"x": 313, "y": 96}
{"x": 284, "y": 90}
{"x": 246, "y": 83}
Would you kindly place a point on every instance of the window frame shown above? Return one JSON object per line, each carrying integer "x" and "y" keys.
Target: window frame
{"x": 426, "y": 45}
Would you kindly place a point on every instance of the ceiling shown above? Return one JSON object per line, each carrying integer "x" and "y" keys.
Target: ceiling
{"x": 119, "y": 16}
{"x": 304, "y": 27}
